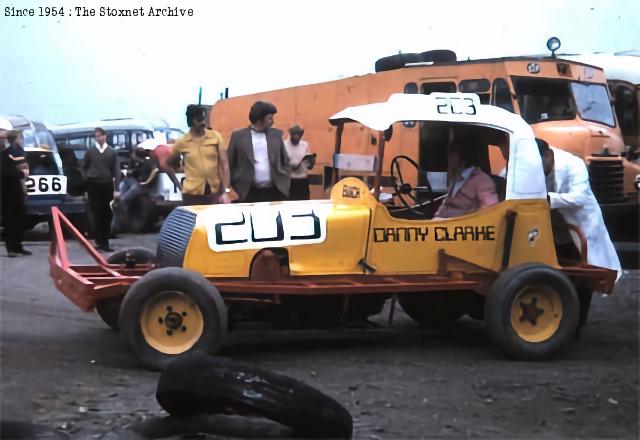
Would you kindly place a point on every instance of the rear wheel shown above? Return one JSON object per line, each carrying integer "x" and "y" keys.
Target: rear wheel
{"x": 171, "y": 311}
{"x": 109, "y": 308}
{"x": 433, "y": 309}
{"x": 532, "y": 312}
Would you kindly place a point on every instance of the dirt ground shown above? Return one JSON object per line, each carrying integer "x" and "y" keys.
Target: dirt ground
{"x": 65, "y": 369}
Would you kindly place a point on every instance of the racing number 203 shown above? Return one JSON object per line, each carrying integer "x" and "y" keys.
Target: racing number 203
{"x": 239, "y": 227}
{"x": 455, "y": 106}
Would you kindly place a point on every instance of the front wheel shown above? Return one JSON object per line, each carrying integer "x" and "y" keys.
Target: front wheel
{"x": 532, "y": 312}
{"x": 171, "y": 311}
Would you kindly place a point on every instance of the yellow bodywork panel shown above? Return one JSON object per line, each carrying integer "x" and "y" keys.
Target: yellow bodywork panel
{"x": 398, "y": 246}
{"x": 360, "y": 230}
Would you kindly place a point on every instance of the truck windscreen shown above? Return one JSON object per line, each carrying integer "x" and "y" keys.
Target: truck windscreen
{"x": 593, "y": 103}
{"x": 544, "y": 99}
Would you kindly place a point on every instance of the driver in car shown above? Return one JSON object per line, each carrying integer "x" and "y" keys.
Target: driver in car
{"x": 470, "y": 188}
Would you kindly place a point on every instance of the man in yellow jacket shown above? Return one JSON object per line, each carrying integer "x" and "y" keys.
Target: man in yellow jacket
{"x": 206, "y": 167}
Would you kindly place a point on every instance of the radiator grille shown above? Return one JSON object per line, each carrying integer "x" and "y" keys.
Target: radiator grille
{"x": 607, "y": 180}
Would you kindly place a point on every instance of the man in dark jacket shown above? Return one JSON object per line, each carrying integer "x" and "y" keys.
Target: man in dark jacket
{"x": 101, "y": 172}
{"x": 258, "y": 159}
{"x": 12, "y": 196}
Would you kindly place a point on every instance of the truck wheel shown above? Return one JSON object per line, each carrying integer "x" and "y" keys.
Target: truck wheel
{"x": 109, "y": 308}
{"x": 432, "y": 309}
{"x": 532, "y": 311}
{"x": 171, "y": 311}
{"x": 198, "y": 383}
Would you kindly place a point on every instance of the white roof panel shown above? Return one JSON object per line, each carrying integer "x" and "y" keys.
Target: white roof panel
{"x": 525, "y": 178}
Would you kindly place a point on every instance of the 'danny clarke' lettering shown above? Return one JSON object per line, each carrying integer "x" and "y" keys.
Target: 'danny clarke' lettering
{"x": 439, "y": 233}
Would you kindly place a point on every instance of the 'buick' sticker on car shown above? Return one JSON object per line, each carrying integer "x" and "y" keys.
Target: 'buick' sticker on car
{"x": 237, "y": 226}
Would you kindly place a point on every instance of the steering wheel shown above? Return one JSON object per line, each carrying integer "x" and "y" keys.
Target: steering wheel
{"x": 404, "y": 190}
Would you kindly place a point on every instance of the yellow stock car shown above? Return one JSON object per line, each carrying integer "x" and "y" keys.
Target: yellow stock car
{"x": 336, "y": 260}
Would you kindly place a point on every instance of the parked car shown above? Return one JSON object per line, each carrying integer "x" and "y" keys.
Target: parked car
{"x": 47, "y": 184}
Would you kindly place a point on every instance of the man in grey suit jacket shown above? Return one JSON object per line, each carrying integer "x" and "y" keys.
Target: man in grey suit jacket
{"x": 258, "y": 160}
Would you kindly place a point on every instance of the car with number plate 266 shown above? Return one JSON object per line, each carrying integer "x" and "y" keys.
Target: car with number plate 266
{"x": 46, "y": 184}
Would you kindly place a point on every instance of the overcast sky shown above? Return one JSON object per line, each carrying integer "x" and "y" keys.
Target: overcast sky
{"x": 69, "y": 68}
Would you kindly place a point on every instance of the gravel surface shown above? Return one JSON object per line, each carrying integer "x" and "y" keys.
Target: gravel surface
{"x": 64, "y": 369}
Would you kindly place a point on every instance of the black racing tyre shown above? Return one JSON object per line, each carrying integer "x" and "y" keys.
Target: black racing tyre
{"x": 171, "y": 311}
{"x": 532, "y": 311}
{"x": 140, "y": 255}
{"x": 433, "y": 309}
{"x": 397, "y": 61}
{"x": 198, "y": 383}
{"x": 439, "y": 56}
{"x": 109, "y": 309}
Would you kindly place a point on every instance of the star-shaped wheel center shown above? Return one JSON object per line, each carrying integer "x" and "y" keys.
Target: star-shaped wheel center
{"x": 530, "y": 312}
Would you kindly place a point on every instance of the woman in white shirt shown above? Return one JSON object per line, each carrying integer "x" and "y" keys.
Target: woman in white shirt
{"x": 300, "y": 162}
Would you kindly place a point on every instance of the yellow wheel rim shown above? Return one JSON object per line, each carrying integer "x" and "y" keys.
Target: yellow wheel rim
{"x": 536, "y": 313}
{"x": 171, "y": 322}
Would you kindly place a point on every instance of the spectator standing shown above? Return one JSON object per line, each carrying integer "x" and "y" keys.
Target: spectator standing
{"x": 300, "y": 162}
{"x": 17, "y": 154}
{"x": 101, "y": 171}
{"x": 569, "y": 193}
{"x": 12, "y": 195}
{"x": 258, "y": 159}
{"x": 206, "y": 168}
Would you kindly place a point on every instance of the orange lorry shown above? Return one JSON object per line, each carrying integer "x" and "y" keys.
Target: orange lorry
{"x": 566, "y": 102}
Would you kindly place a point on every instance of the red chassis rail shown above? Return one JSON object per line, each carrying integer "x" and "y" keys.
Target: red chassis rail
{"x": 84, "y": 284}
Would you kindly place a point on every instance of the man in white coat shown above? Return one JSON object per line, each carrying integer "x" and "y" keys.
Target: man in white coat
{"x": 570, "y": 193}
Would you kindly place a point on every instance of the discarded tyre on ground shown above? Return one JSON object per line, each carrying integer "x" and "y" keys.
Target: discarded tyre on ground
{"x": 198, "y": 383}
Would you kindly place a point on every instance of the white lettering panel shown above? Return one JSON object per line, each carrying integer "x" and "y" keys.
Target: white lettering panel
{"x": 456, "y": 103}
{"x": 237, "y": 226}
{"x": 40, "y": 185}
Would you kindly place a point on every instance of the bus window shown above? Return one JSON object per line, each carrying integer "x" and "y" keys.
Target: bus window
{"x": 501, "y": 96}
{"x": 593, "y": 103}
{"x": 139, "y": 136}
{"x": 411, "y": 88}
{"x": 479, "y": 86}
{"x": 444, "y": 87}
{"x": 543, "y": 99}
{"x": 118, "y": 140}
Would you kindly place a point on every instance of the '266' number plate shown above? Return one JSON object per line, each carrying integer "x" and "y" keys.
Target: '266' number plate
{"x": 37, "y": 185}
